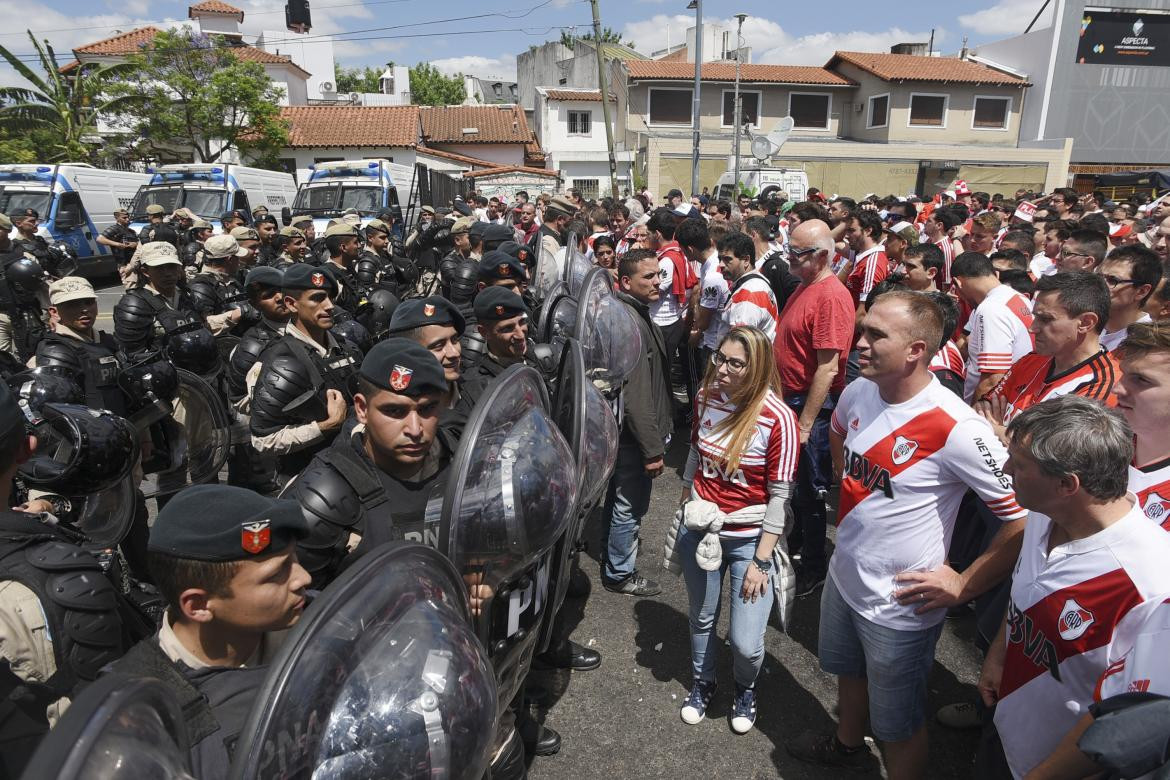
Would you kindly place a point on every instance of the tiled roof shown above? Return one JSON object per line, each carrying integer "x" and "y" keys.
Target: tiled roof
{"x": 253, "y": 54}
{"x": 215, "y": 7}
{"x": 495, "y": 125}
{"x": 123, "y": 43}
{"x": 351, "y": 125}
{"x": 577, "y": 94}
{"x": 511, "y": 169}
{"x": 722, "y": 71}
{"x": 910, "y": 67}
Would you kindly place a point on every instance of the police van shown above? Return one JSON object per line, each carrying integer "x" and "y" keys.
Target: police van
{"x": 369, "y": 186}
{"x": 76, "y": 202}
{"x": 754, "y": 181}
{"x": 210, "y": 189}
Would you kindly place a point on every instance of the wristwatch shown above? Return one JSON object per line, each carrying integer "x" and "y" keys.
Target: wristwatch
{"x": 764, "y": 566}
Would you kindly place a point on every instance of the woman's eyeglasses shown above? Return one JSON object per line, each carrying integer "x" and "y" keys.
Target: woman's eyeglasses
{"x": 734, "y": 365}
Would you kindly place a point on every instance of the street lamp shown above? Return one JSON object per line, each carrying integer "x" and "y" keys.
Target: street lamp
{"x": 698, "y": 6}
{"x": 738, "y": 104}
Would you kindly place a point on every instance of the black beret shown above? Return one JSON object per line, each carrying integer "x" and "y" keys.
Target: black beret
{"x": 228, "y": 215}
{"x": 477, "y": 229}
{"x": 404, "y": 367}
{"x": 225, "y": 523}
{"x": 265, "y": 276}
{"x": 302, "y": 276}
{"x": 493, "y": 304}
{"x": 500, "y": 233}
{"x": 498, "y": 265}
{"x": 462, "y": 208}
{"x": 518, "y": 251}
{"x": 420, "y": 312}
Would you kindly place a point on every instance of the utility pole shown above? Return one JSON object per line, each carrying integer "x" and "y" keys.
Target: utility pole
{"x": 738, "y": 105}
{"x": 698, "y": 6}
{"x": 605, "y": 102}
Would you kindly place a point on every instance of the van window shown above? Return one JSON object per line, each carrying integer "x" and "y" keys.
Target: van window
{"x": 70, "y": 213}
{"x": 240, "y": 204}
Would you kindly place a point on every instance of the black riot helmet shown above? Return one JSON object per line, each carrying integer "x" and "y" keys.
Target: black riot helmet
{"x": 193, "y": 347}
{"x": 354, "y": 332}
{"x": 151, "y": 384}
{"x": 60, "y": 260}
{"x": 378, "y": 310}
{"x": 80, "y": 450}
{"x": 36, "y": 387}
{"x": 26, "y": 276}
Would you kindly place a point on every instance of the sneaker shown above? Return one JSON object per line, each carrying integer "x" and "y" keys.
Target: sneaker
{"x": 823, "y": 749}
{"x": 743, "y": 711}
{"x": 694, "y": 709}
{"x": 634, "y": 585}
{"x": 964, "y": 715}
{"x": 808, "y": 580}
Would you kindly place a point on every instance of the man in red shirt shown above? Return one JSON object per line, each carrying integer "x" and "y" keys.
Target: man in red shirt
{"x": 813, "y": 337}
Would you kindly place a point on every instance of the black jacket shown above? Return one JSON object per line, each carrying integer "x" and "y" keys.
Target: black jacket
{"x": 646, "y": 397}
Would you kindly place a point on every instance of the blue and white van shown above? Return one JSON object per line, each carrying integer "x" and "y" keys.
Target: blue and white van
{"x": 76, "y": 203}
{"x": 211, "y": 189}
{"x": 369, "y": 186}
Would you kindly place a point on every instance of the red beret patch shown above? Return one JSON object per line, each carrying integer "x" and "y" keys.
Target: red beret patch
{"x": 429, "y": 309}
{"x": 254, "y": 537}
{"x": 499, "y": 311}
{"x": 504, "y": 269}
{"x": 318, "y": 280}
{"x": 400, "y": 378}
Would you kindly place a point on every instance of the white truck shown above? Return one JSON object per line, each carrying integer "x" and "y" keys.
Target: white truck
{"x": 75, "y": 201}
{"x": 754, "y": 181}
{"x": 370, "y": 186}
{"x": 210, "y": 189}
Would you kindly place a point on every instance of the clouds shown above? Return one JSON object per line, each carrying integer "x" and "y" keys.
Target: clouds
{"x": 1007, "y": 17}
{"x": 502, "y": 67}
{"x": 769, "y": 42}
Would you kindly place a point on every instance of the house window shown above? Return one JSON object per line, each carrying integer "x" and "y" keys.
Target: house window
{"x": 589, "y": 188}
{"x": 879, "y": 111}
{"x": 670, "y": 106}
{"x": 928, "y": 110}
{"x": 809, "y": 110}
{"x": 749, "y": 107}
{"x": 580, "y": 122}
{"x": 991, "y": 113}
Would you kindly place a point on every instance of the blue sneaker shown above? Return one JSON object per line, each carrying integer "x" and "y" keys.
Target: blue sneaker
{"x": 743, "y": 712}
{"x": 694, "y": 709}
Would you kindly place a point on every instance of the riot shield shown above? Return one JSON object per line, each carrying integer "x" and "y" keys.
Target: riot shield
{"x": 608, "y": 332}
{"x": 543, "y": 311}
{"x": 547, "y": 273}
{"x": 381, "y": 678}
{"x": 119, "y": 728}
{"x": 511, "y": 494}
{"x": 576, "y": 267}
{"x": 105, "y": 517}
{"x": 583, "y": 416}
{"x": 190, "y": 446}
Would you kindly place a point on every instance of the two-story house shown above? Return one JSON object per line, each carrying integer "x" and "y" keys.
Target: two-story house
{"x": 569, "y": 124}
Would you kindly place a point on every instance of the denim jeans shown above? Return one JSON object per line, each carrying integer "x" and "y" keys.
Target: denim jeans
{"x": 814, "y": 477}
{"x": 626, "y": 502}
{"x": 749, "y": 619}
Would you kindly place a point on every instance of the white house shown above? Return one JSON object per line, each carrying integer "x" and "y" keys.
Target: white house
{"x": 570, "y": 126}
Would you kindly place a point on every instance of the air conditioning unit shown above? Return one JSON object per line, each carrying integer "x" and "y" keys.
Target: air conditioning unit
{"x": 355, "y": 98}
{"x": 327, "y": 86}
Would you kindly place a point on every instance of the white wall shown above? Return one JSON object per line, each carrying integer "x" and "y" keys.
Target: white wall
{"x": 219, "y": 24}
{"x": 306, "y": 157}
{"x": 314, "y": 53}
{"x": 557, "y": 138}
{"x": 504, "y": 154}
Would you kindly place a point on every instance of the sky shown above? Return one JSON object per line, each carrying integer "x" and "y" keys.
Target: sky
{"x": 473, "y": 36}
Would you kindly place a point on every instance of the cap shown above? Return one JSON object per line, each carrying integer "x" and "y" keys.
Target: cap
{"x": 225, "y": 523}
{"x": 498, "y": 303}
{"x": 265, "y": 276}
{"x": 562, "y": 205}
{"x": 341, "y": 229}
{"x": 377, "y": 224}
{"x": 428, "y": 209}
{"x": 70, "y": 288}
{"x": 683, "y": 209}
{"x": 476, "y": 230}
{"x": 462, "y": 225}
{"x": 5, "y": 222}
{"x": 229, "y": 215}
{"x": 518, "y": 251}
{"x": 154, "y": 210}
{"x": 222, "y": 247}
{"x": 156, "y": 253}
{"x": 461, "y": 207}
{"x": 905, "y": 231}
{"x": 261, "y": 209}
{"x": 404, "y": 367}
{"x": 498, "y": 233}
{"x": 201, "y": 224}
{"x": 420, "y": 312}
{"x": 302, "y": 276}
{"x": 496, "y": 265}
{"x": 245, "y": 234}
{"x": 185, "y": 213}
{"x": 352, "y": 217}
{"x": 292, "y": 232}
{"x": 301, "y": 219}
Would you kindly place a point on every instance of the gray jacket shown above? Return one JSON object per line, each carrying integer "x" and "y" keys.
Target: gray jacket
{"x": 646, "y": 395}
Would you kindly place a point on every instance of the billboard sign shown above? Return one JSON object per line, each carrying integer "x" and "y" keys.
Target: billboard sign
{"x": 1111, "y": 36}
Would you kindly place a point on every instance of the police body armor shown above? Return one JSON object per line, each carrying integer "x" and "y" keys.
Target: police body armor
{"x": 94, "y": 365}
{"x": 291, "y": 390}
{"x": 245, "y": 355}
{"x": 368, "y": 270}
{"x": 143, "y": 319}
{"x": 19, "y": 300}
{"x": 342, "y": 492}
{"x": 267, "y": 254}
{"x": 192, "y": 257}
{"x": 459, "y": 276}
{"x": 348, "y": 298}
{"x": 215, "y": 293}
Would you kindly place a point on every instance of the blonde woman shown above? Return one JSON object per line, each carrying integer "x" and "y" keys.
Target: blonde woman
{"x": 738, "y": 483}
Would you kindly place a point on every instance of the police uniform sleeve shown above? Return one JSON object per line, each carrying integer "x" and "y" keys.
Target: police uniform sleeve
{"x": 273, "y": 428}
{"x": 25, "y": 642}
{"x": 133, "y": 319}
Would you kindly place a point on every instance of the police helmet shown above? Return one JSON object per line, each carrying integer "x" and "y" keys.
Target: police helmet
{"x": 192, "y": 347}
{"x": 354, "y": 332}
{"x": 25, "y": 275}
{"x": 43, "y": 385}
{"x": 60, "y": 260}
{"x": 148, "y": 382}
{"x": 80, "y": 450}
{"x": 378, "y": 310}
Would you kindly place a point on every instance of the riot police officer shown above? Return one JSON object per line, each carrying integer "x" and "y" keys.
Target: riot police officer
{"x": 435, "y": 324}
{"x": 266, "y": 230}
{"x": 27, "y": 239}
{"x": 262, "y": 286}
{"x": 230, "y": 220}
{"x": 157, "y": 307}
{"x": 376, "y": 482}
{"x": 154, "y": 221}
{"x": 22, "y": 298}
{"x": 344, "y": 244}
{"x": 303, "y": 386}
{"x": 293, "y": 246}
{"x": 121, "y": 240}
{"x": 217, "y": 293}
{"x": 192, "y": 252}
{"x": 374, "y": 264}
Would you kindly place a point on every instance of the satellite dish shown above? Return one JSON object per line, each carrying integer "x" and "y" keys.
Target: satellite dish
{"x": 764, "y": 146}
{"x": 761, "y": 148}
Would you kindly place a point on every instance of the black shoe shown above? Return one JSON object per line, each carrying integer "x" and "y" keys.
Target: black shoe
{"x": 538, "y": 740}
{"x": 569, "y": 655}
{"x": 579, "y": 586}
{"x": 634, "y": 585}
{"x": 808, "y": 580}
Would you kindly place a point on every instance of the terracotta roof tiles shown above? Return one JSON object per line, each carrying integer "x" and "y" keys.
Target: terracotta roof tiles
{"x": 123, "y": 43}
{"x": 493, "y": 124}
{"x": 351, "y": 125}
{"x": 721, "y": 71}
{"x": 215, "y": 7}
{"x": 577, "y": 95}
{"x": 910, "y": 67}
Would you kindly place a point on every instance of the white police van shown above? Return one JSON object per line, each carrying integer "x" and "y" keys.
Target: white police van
{"x": 75, "y": 201}
{"x": 368, "y": 186}
{"x": 211, "y": 189}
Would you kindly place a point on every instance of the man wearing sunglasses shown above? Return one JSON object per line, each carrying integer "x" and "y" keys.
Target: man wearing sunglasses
{"x": 1131, "y": 272}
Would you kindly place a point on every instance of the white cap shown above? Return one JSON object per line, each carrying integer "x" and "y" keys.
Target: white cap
{"x": 70, "y": 288}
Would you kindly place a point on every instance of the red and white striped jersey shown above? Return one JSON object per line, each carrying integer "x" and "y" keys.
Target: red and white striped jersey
{"x": 1151, "y": 485}
{"x": 752, "y": 303}
{"x": 947, "y": 245}
{"x": 1136, "y": 660}
{"x": 999, "y": 336}
{"x": 907, "y": 467}
{"x": 1031, "y": 381}
{"x": 869, "y": 268}
{"x": 949, "y": 358}
{"x": 771, "y": 455}
{"x": 1066, "y": 603}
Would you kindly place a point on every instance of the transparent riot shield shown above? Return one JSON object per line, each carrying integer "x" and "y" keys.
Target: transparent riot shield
{"x": 119, "y": 728}
{"x": 511, "y": 495}
{"x": 383, "y": 677}
{"x": 575, "y": 265}
{"x": 608, "y": 332}
{"x": 190, "y": 446}
{"x": 546, "y": 275}
{"x": 541, "y": 333}
{"x": 105, "y": 517}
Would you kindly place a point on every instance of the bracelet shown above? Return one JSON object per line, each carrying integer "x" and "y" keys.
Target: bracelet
{"x": 763, "y": 566}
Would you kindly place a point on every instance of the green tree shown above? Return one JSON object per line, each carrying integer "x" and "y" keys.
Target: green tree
{"x": 429, "y": 87}
{"x": 60, "y": 107}
{"x": 608, "y": 35}
{"x": 189, "y": 94}
{"x": 357, "y": 79}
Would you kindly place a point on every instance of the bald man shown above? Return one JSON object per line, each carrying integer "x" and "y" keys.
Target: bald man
{"x": 813, "y": 338}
